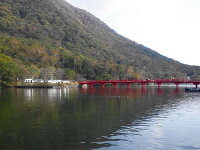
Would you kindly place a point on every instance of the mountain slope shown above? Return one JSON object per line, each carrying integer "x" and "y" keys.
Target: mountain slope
{"x": 59, "y": 24}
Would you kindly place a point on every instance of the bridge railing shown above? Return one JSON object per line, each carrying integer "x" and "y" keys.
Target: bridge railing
{"x": 142, "y": 81}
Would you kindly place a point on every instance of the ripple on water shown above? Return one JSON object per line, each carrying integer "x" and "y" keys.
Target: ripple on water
{"x": 164, "y": 127}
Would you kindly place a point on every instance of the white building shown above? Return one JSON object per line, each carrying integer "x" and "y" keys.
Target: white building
{"x": 34, "y": 81}
{"x": 29, "y": 81}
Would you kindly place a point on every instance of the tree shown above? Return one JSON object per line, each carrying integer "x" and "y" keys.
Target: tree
{"x": 130, "y": 72}
{"x": 59, "y": 74}
{"x": 54, "y": 57}
{"x": 67, "y": 58}
{"x": 36, "y": 53}
{"x": 34, "y": 71}
{"x": 13, "y": 42}
{"x": 104, "y": 76}
{"x": 78, "y": 60}
{"x": 24, "y": 72}
{"x": 111, "y": 66}
{"x": 121, "y": 69}
{"x": 8, "y": 70}
{"x": 70, "y": 74}
{"x": 48, "y": 73}
{"x": 137, "y": 76}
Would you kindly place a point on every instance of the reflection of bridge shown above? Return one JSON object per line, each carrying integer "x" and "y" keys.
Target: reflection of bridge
{"x": 102, "y": 83}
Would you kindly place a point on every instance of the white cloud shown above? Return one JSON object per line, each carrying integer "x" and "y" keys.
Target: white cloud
{"x": 171, "y": 27}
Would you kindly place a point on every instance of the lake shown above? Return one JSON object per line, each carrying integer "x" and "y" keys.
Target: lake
{"x": 138, "y": 118}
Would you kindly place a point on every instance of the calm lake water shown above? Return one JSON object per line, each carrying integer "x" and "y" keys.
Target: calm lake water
{"x": 104, "y": 119}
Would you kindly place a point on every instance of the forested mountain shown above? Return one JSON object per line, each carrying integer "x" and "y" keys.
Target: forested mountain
{"x": 53, "y": 39}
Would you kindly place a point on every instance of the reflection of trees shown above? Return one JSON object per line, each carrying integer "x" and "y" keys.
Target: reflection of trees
{"x": 50, "y": 120}
{"x": 21, "y": 120}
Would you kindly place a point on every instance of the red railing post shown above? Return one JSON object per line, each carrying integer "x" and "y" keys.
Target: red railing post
{"x": 159, "y": 84}
{"x": 128, "y": 85}
{"x": 91, "y": 85}
{"x": 102, "y": 85}
{"x": 177, "y": 84}
{"x": 196, "y": 84}
{"x": 143, "y": 84}
{"x": 115, "y": 85}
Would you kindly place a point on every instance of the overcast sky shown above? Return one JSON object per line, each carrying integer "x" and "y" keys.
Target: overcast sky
{"x": 170, "y": 27}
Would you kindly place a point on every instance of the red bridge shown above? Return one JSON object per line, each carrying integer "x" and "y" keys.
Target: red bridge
{"x": 102, "y": 83}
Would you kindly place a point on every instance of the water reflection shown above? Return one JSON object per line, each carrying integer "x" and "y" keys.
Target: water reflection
{"x": 51, "y": 94}
{"x": 105, "y": 118}
{"x": 128, "y": 92}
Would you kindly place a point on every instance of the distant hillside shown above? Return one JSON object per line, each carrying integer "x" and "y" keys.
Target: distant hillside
{"x": 39, "y": 34}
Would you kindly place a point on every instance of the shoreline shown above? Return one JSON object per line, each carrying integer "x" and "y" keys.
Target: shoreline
{"x": 76, "y": 85}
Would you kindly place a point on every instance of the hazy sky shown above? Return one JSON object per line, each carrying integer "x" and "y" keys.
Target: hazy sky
{"x": 170, "y": 27}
